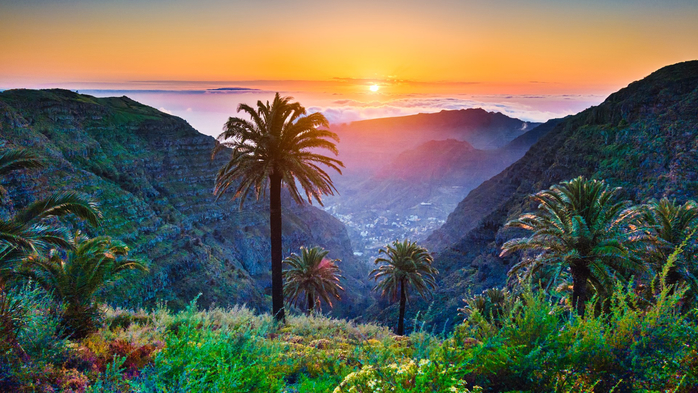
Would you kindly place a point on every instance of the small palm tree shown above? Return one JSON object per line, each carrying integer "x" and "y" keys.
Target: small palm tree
{"x": 494, "y": 305}
{"x": 581, "y": 227}
{"x": 278, "y": 146}
{"x": 405, "y": 266}
{"x": 672, "y": 224}
{"x": 75, "y": 280}
{"x": 312, "y": 276}
{"x": 27, "y": 232}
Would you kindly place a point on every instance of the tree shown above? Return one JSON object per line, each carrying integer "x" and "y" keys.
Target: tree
{"x": 75, "y": 280}
{"x": 582, "y": 227}
{"x": 405, "y": 266}
{"x": 278, "y": 146}
{"x": 311, "y": 274}
{"x": 672, "y": 224}
{"x": 27, "y": 231}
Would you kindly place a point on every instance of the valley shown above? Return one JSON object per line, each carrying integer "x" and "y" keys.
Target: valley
{"x": 408, "y": 194}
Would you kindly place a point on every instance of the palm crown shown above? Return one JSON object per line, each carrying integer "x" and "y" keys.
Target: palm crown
{"x": 278, "y": 141}
{"x": 582, "y": 227}
{"x": 673, "y": 225}
{"x": 26, "y": 233}
{"x": 405, "y": 266}
{"x": 89, "y": 267}
{"x": 313, "y": 275}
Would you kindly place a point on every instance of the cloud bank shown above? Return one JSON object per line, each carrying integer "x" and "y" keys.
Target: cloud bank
{"x": 529, "y": 108}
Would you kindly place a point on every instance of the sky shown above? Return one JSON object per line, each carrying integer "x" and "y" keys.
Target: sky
{"x": 423, "y": 55}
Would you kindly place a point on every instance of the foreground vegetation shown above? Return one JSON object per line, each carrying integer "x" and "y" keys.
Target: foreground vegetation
{"x": 532, "y": 344}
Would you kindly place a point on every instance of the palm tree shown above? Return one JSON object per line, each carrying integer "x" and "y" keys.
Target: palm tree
{"x": 311, "y": 274}
{"x": 75, "y": 280}
{"x": 673, "y": 224}
{"x": 581, "y": 227}
{"x": 278, "y": 146}
{"x": 27, "y": 231}
{"x": 405, "y": 265}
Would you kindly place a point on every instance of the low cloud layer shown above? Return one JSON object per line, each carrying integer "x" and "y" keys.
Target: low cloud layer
{"x": 529, "y": 108}
{"x": 207, "y": 112}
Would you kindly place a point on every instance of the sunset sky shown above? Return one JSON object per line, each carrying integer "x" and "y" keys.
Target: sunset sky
{"x": 442, "y": 47}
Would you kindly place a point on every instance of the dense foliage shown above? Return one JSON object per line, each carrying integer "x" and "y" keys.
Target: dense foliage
{"x": 535, "y": 346}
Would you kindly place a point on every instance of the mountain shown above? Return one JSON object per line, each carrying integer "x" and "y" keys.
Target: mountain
{"x": 369, "y": 145}
{"x": 643, "y": 138}
{"x": 413, "y": 194}
{"x": 154, "y": 177}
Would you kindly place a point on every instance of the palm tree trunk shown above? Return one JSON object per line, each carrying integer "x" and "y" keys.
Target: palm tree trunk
{"x": 311, "y": 303}
{"x": 403, "y": 300}
{"x": 277, "y": 285}
{"x": 580, "y": 279}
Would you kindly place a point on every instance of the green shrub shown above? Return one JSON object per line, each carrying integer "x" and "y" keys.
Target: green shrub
{"x": 410, "y": 376}
{"x": 37, "y": 334}
{"x": 543, "y": 347}
{"x": 200, "y": 356}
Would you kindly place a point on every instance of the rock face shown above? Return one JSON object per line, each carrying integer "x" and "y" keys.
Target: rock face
{"x": 643, "y": 138}
{"x": 154, "y": 176}
{"x": 368, "y": 145}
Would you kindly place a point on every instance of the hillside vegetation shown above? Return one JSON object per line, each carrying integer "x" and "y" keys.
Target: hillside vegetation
{"x": 644, "y": 138}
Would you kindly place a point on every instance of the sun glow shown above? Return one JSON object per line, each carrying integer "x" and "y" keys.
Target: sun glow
{"x": 374, "y": 88}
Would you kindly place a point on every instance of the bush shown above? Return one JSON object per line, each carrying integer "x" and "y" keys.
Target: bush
{"x": 422, "y": 376}
{"x": 542, "y": 347}
{"x": 37, "y": 333}
{"x": 200, "y": 356}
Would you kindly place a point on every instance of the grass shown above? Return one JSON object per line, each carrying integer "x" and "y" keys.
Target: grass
{"x": 538, "y": 346}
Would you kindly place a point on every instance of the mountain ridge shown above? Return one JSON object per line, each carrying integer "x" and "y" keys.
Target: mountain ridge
{"x": 643, "y": 138}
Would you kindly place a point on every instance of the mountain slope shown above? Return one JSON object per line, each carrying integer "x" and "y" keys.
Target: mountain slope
{"x": 643, "y": 138}
{"x": 154, "y": 176}
{"x": 384, "y": 139}
{"x": 414, "y": 194}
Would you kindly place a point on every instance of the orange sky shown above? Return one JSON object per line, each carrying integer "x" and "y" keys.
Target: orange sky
{"x": 512, "y": 47}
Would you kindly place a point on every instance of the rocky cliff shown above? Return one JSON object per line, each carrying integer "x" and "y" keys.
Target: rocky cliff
{"x": 154, "y": 176}
{"x": 643, "y": 138}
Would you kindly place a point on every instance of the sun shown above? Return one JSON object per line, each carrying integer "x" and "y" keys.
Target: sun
{"x": 374, "y": 88}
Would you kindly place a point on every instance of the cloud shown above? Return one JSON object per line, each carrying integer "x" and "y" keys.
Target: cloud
{"x": 162, "y": 109}
{"x": 529, "y": 108}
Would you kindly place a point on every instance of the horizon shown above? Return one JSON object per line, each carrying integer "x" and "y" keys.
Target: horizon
{"x": 349, "y": 61}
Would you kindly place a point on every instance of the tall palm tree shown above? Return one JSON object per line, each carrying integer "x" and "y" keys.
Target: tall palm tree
{"x": 405, "y": 266}
{"x": 278, "y": 146}
{"x": 311, "y": 274}
{"x": 672, "y": 224}
{"x": 582, "y": 227}
{"x": 75, "y": 280}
